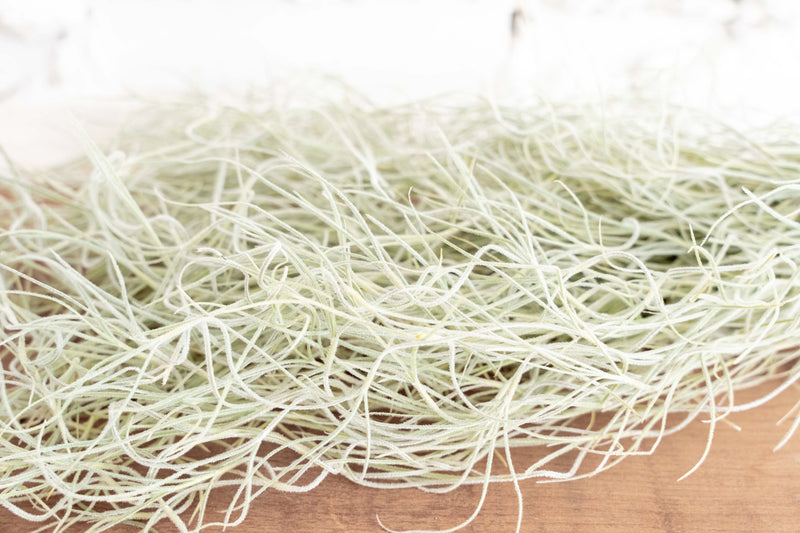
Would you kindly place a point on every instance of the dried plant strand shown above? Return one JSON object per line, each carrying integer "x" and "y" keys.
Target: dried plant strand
{"x": 392, "y": 295}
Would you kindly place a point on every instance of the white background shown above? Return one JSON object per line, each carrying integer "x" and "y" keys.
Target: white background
{"x": 740, "y": 58}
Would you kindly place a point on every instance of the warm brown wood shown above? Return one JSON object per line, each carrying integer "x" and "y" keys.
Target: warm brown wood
{"x": 742, "y": 486}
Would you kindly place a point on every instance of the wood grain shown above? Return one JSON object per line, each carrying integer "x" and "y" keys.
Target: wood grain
{"x": 742, "y": 486}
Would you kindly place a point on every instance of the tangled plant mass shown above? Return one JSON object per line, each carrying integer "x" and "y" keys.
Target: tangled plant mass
{"x": 394, "y": 295}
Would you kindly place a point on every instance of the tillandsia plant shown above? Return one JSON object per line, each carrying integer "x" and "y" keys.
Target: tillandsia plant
{"x": 394, "y": 295}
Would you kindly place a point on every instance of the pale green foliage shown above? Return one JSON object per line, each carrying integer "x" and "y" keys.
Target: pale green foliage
{"x": 391, "y": 295}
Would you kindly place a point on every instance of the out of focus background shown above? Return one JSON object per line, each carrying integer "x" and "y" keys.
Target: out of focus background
{"x": 64, "y": 57}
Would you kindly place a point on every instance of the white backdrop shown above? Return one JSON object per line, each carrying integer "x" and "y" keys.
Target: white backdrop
{"x": 740, "y": 56}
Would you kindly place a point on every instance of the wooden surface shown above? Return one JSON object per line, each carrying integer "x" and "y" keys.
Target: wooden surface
{"x": 742, "y": 486}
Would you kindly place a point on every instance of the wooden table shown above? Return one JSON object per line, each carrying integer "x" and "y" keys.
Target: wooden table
{"x": 742, "y": 486}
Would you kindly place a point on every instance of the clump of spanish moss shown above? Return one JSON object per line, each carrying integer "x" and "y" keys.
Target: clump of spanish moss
{"x": 392, "y": 295}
